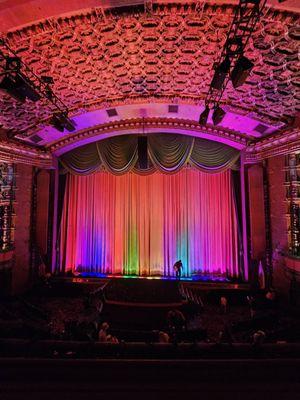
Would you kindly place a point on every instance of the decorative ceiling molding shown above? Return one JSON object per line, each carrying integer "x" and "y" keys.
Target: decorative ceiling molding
{"x": 17, "y": 153}
{"x": 148, "y": 125}
{"x": 122, "y": 54}
{"x": 20, "y": 13}
{"x": 281, "y": 143}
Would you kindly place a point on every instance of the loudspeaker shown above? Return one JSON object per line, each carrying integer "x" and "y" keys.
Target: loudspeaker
{"x": 143, "y": 152}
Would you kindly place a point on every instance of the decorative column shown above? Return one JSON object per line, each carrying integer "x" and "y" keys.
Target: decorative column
{"x": 34, "y": 255}
{"x": 7, "y": 199}
{"x": 268, "y": 230}
{"x": 55, "y": 187}
{"x": 244, "y": 216}
{"x": 293, "y": 200}
{"x": 7, "y": 224}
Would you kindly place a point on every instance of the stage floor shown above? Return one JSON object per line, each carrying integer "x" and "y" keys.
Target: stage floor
{"x": 202, "y": 277}
{"x": 199, "y": 281}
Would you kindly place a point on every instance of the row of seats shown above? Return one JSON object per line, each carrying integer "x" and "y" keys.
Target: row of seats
{"x": 73, "y": 349}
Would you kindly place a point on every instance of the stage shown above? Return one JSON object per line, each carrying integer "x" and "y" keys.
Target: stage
{"x": 139, "y": 226}
{"x": 198, "y": 281}
{"x": 150, "y": 291}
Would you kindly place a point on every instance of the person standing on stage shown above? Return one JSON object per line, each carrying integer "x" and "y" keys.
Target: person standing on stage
{"x": 178, "y": 267}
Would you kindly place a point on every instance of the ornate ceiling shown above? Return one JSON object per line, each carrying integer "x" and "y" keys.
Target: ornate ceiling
{"x": 101, "y": 60}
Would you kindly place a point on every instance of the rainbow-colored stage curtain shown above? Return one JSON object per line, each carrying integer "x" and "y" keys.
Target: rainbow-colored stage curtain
{"x": 140, "y": 225}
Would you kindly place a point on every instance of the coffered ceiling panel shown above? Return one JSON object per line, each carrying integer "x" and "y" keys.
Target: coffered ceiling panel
{"x": 99, "y": 60}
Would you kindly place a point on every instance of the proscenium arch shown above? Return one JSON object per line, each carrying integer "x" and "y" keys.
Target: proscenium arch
{"x": 144, "y": 126}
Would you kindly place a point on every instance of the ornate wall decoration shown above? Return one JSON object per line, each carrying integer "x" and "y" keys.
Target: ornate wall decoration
{"x": 7, "y": 199}
{"x": 13, "y": 152}
{"x": 235, "y": 139}
{"x": 292, "y": 198}
{"x": 97, "y": 60}
{"x": 281, "y": 143}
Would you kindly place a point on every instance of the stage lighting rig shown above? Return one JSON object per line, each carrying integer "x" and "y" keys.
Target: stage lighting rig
{"x": 15, "y": 83}
{"x": 61, "y": 121}
{"x": 241, "y": 71}
{"x": 218, "y": 115}
{"x": 232, "y": 63}
{"x": 204, "y": 116}
{"x": 21, "y": 82}
{"x": 220, "y": 74}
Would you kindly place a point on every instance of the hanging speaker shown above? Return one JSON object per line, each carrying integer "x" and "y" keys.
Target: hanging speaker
{"x": 143, "y": 152}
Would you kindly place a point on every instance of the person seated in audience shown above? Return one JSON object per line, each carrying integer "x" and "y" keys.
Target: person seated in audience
{"x": 225, "y": 335}
{"x": 176, "y": 321}
{"x": 259, "y": 337}
{"x": 103, "y": 333}
{"x": 252, "y": 301}
{"x": 270, "y": 299}
{"x": 111, "y": 339}
{"x": 163, "y": 337}
{"x": 223, "y": 305}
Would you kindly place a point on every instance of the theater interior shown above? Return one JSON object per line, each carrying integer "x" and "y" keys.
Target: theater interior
{"x": 149, "y": 199}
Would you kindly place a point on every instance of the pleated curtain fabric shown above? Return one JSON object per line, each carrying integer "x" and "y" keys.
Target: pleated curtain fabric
{"x": 140, "y": 225}
{"x": 167, "y": 153}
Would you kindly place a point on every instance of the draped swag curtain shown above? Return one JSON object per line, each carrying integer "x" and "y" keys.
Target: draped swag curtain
{"x": 167, "y": 153}
{"x": 140, "y": 225}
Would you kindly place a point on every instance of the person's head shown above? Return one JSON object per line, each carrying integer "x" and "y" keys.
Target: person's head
{"x": 223, "y": 301}
{"x": 105, "y": 326}
{"x": 270, "y": 295}
{"x": 259, "y": 337}
{"x": 163, "y": 337}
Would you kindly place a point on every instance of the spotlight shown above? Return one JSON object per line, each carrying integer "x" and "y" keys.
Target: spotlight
{"x": 47, "y": 79}
{"x": 60, "y": 121}
{"x": 241, "y": 71}
{"x": 16, "y": 84}
{"x": 57, "y": 122}
{"x": 70, "y": 125}
{"x": 218, "y": 115}
{"x": 26, "y": 87}
{"x": 204, "y": 116}
{"x": 255, "y": 2}
{"x": 8, "y": 85}
{"x": 220, "y": 74}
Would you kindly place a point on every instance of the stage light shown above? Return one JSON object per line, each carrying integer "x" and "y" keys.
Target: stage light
{"x": 60, "y": 121}
{"x": 143, "y": 152}
{"x": 47, "y": 79}
{"x": 204, "y": 116}
{"x": 16, "y": 84}
{"x": 8, "y": 86}
{"x": 21, "y": 85}
{"x": 57, "y": 122}
{"x": 220, "y": 74}
{"x": 70, "y": 125}
{"x": 218, "y": 115}
{"x": 26, "y": 87}
{"x": 256, "y": 2}
{"x": 241, "y": 71}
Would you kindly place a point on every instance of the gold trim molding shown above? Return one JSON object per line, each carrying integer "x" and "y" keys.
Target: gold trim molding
{"x": 14, "y": 152}
{"x": 236, "y": 139}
